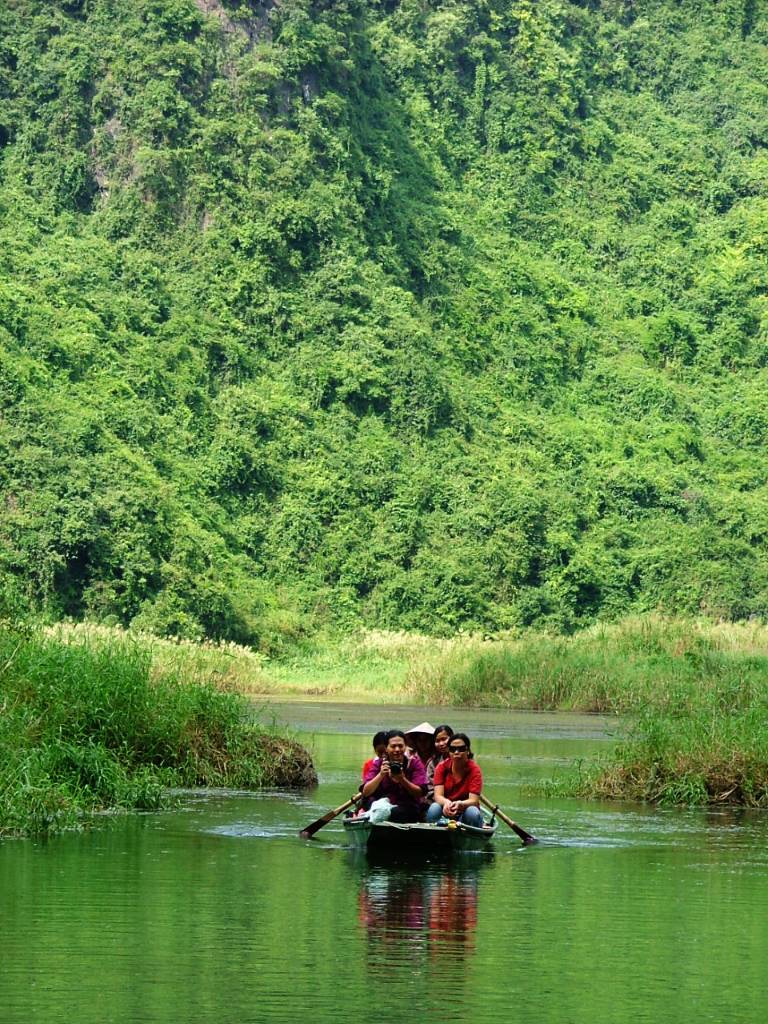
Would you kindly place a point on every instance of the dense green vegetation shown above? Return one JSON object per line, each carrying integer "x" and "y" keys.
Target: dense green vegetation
{"x": 85, "y": 728}
{"x": 422, "y": 315}
{"x": 664, "y": 664}
{"x": 690, "y": 696}
{"x": 693, "y": 700}
{"x": 710, "y": 753}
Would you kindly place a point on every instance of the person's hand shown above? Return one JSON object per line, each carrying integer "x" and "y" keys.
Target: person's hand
{"x": 385, "y": 769}
{"x": 451, "y": 809}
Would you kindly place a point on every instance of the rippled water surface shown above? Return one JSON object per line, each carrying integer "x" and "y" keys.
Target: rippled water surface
{"x": 218, "y": 912}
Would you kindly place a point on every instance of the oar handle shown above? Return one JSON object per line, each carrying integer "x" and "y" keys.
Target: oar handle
{"x": 345, "y": 805}
{"x": 526, "y": 837}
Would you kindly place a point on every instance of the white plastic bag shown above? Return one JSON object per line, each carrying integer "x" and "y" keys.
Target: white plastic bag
{"x": 380, "y": 810}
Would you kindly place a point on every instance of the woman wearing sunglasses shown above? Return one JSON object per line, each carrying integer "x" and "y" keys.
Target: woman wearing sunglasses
{"x": 458, "y": 785}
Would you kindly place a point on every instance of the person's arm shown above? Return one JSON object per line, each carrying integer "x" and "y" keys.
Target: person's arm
{"x": 450, "y": 807}
{"x": 475, "y": 789}
{"x": 473, "y": 800}
{"x": 414, "y": 789}
{"x": 376, "y": 776}
{"x": 417, "y": 776}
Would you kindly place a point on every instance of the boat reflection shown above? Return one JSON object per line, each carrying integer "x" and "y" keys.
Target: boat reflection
{"x": 417, "y": 915}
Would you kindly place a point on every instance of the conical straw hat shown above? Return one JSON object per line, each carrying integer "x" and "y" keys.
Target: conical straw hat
{"x": 424, "y": 727}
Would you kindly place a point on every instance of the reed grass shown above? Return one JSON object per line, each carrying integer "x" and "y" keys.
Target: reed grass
{"x": 699, "y": 755}
{"x": 229, "y": 666}
{"x": 367, "y": 666}
{"x": 640, "y": 662}
{"x": 86, "y": 727}
{"x": 693, "y": 694}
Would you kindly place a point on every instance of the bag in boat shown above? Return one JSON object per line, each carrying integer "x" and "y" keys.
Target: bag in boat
{"x": 379, "y": 810}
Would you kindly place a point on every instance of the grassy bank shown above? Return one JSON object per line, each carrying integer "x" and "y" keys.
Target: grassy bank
{"x": 666, "y": 664}
{"x": 692, "y": 693}
{"x": 87, "y": 727}
{"x": 702, "y": 755}
{"x": 369, "y": 667}
{"x": 640, "y": 662}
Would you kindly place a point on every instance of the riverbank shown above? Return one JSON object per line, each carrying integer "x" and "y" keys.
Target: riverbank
{"x": 93, "y": 727}
{"x": 691, "y": 694}
{"x": 371, "y": 667}
{"x": 611, "y": 669}
{"x": 707, "y": 755}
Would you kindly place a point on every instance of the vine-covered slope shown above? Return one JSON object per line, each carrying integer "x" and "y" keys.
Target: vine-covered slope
{"x": 428, "y": 314}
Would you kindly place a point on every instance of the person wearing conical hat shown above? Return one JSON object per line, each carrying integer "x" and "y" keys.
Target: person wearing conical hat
{"x": 421, "y": 740}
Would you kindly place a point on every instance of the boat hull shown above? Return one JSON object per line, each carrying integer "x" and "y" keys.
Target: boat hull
{"x": 417, "y": 839}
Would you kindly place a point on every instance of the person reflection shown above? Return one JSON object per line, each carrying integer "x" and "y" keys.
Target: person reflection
{"x": 392, "y": 909}
{"x": 418, "y": 917}
{"x": 453, "y": 916}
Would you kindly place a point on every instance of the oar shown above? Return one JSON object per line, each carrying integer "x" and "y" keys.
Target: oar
{"x": 309, "y": 831}
{"x": 526, "y": 837}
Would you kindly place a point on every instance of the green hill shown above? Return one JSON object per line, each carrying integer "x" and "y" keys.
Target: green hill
{"x": 423, "y": 315}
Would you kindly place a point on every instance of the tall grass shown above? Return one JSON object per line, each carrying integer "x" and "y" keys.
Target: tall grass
{"x": 85, "y": 727}
{"x": 641, "y": 662}
{"x": 694, "y": 697}
{"x": 700, "y": 755}
{"x": 228, "y": 665}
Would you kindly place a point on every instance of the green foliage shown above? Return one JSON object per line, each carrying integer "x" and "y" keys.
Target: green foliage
{"x": 692, "y": 697}
{"x": 646, "y": 663}
{"x": 708, "y": 753}
{"x": 417, "y": 315}
{"x": 86, "y": 727}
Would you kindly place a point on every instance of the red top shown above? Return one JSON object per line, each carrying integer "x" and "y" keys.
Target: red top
{"x": 459, "y": 789}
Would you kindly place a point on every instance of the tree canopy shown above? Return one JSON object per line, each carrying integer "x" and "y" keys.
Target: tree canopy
{"x": 422, "y": 314}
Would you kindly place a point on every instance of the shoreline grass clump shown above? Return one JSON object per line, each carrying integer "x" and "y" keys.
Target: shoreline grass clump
{"x": 228, "y": 665}
{"x": 693, "y": 695}
{"x": 697, "y": 756}
{"x": 87, "y": 728}
{"x": 640, "y": 662}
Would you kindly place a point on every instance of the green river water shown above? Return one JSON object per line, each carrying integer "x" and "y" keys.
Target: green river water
{"x": 217, "y": 911}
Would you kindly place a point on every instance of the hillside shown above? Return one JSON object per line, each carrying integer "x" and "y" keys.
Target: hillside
{"x": 426, "y": 315}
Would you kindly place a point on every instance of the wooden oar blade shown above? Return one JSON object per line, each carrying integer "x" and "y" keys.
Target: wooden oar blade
{"x": 309, "y": 831}
{"x": 526, "y": 837}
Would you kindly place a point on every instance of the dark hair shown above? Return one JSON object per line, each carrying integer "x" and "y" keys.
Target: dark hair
{"x": 444, "y": 728}
{"x": 379, "y": 738}
{"x": 395, "y": 732}
{"x": 461, "y": 736}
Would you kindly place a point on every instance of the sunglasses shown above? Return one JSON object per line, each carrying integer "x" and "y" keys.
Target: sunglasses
{"x": 458, "y": 750}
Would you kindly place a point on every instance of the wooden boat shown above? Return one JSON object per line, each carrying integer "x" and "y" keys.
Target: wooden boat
{"x": 417, "y": 839}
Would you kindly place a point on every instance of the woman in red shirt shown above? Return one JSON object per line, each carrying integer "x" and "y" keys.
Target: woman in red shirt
{"x": 458, "y": 785}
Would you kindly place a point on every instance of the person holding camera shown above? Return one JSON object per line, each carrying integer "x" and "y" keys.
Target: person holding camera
{"x": 398, "y": 779}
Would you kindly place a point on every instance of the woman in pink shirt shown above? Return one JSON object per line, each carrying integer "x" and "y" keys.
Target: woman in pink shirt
{"x": 458, "y": 785}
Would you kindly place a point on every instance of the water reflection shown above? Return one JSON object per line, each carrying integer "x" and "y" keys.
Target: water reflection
{"x": 415, "y": 916}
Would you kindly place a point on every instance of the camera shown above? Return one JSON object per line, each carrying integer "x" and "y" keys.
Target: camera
{"x": 395, "y": 767}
